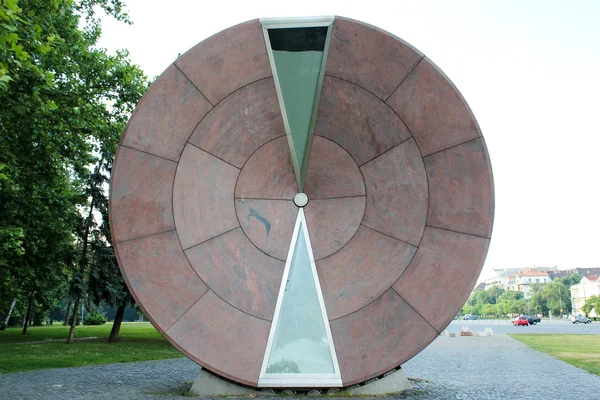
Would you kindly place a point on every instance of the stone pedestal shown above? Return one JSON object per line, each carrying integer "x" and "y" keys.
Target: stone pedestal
{"x": 391, "y": 383}
{"x": 207, "y": 384}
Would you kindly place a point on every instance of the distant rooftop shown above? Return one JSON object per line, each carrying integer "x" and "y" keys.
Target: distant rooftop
{"x": 532, "y": 272}
{"x": 587, "y": 272}
{"x": 552, "y": 272}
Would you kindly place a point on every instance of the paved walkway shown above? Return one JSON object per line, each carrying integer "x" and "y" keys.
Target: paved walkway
{"x": 136, "y": 380}
{"x": 497, "y": 367}
{"x": 450, "y": 368}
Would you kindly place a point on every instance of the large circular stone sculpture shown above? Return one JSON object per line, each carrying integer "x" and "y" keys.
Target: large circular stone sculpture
{"x": 208, "y": 203}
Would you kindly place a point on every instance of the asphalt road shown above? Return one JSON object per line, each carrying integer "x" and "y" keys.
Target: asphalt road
{"x": 546, "y": 326}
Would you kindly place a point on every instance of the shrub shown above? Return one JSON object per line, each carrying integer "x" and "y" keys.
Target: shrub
{"x": 94, "y": 317}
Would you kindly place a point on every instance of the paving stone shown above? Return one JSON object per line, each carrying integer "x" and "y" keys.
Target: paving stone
{"x": 488, "y": 368}
{"x": 496, "y": 367}
{"x": 138, "y": 380}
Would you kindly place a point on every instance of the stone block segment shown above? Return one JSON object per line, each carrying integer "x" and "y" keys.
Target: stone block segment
{"x": 369, "y": 57}
{"x": 378, "y": 338}
{"x": 461, "y": 189}
{"x": 397, "y": 193}
{"x": 443, "y": 257}
{"x": 357, "y": 120}
{"x": 268, "y": 173}
{"x": 203, "y": 197}
{"x": 268, "y": 224}
{"x": 361, "y": 271}
{"x": 166, "y": 116}
{"x": 332, "y": 223}
{"x": 141, "y": 195}
{"x": 225, "y": 62}
{"x": 241, "y": 123}
{"x": 239, "y": 273}
{"x": 222, "y": 339}
{"x": 160, "y": 277}
{"x": 332, "y": 172}
{"x": 433, "y": 109}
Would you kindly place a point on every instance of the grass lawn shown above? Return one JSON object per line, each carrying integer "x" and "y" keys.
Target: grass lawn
{"x": 138, "y": 341}
{"x": 583, "y": 351}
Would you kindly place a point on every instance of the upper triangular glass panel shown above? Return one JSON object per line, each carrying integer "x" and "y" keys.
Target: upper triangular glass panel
{"x": 298, "y": 58}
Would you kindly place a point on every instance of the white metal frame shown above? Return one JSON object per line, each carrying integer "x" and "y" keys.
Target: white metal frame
{"x": 299, "y": 379}
{"x": 299, "y": 22}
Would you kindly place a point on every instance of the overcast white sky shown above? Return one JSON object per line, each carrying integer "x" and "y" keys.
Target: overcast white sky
{"x": 530, "y": 70}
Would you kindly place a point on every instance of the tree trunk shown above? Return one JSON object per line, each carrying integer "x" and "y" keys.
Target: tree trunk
{"x": 67, "y": 313}
{"x": 88, "y": 303}
{"x": 8, "y": 314}
{"x": 28, "y": 315}
{"x": 114, "y": 333}
{"x": 84, "y": 248}
{"x": 82, "y": 264}
{"x": 73, "y": 322}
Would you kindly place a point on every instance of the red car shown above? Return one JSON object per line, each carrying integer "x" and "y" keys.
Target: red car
{"x": 521, "y": 320}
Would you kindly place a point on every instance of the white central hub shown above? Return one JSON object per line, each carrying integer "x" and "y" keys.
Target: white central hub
{"x": 300, "y": 199}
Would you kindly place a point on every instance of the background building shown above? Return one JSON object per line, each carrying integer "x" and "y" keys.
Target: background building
{"x": 519, "y": 279}
{"x": 524, "y": 280}
{"x": 584, "y": 272}
{"x": 589, "y": 286}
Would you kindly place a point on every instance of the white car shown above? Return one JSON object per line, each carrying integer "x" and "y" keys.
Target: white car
{"x": 580, "y": 319}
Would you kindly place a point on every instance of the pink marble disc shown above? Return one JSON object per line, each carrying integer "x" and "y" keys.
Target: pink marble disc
{"x": 400, "y": 210}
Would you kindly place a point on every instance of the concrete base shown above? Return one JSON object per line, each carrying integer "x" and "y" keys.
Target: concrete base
{"x": 206, "y": 384}
{"x": 392, "y": 383}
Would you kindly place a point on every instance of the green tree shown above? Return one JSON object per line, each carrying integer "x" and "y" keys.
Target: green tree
{"x": 488, "y": 309}
{"x": 510, "y": 303}
{"x": 467, "y": 309}
{"x": 105, "y": 282}
{"x": 551, "y": 298}
{"x": 571, "y": 280}
{"x": 494, "y": 293}
{"x": 472, "y": 300}
{"x": 591, "y": 303}
{"x": 510, "y": 295}
{"x": 479, "y": 302}
{"x": 482, "y": 298}
{"x": 538, "y": 304}
{"x": 535, "y": 288}
{"x": 64, "y": 103}
{"x": 522, "y": 307}
{"x": 558, "y": 297}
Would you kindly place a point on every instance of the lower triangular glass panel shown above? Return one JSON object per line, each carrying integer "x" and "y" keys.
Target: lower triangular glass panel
{"x": 300, "y": 351}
